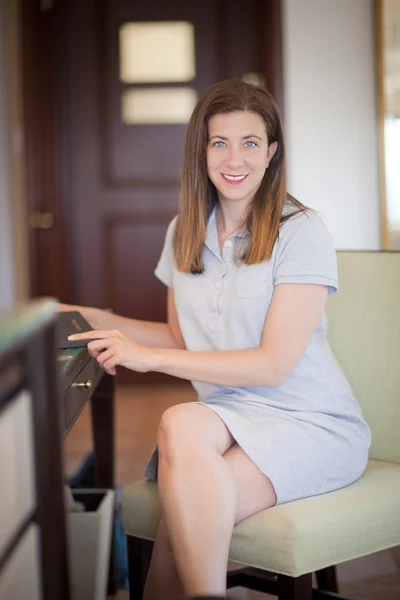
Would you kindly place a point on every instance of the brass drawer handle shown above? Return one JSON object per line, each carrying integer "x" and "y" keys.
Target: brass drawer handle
{"x": 83, "y": 385}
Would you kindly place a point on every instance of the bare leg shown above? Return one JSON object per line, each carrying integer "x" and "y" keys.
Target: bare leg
{"x": 195, "y": 489}
{"x": 198, "y": 495}
{"x": 255, "y": 491}
{"x": 162, "y": 582}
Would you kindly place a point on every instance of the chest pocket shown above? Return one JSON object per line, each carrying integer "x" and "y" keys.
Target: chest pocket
{"x": 251, "y": 281}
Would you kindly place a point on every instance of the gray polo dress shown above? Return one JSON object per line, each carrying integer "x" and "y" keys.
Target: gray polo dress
{"x": 308, "y": 435}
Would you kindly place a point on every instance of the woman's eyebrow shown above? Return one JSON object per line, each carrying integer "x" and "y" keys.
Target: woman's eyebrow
{"x": 245, "y": 137}
{"x": 252, "y": 135}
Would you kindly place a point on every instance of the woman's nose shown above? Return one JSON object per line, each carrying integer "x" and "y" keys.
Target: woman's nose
{"x": 234, "y": 160}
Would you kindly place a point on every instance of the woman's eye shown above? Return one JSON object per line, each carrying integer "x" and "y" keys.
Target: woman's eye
{"x": 250, "y": 144}
{"x": 219, "y": 144}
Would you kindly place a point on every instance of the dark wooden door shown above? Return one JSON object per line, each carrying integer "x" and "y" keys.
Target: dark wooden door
{"x": 120, "y": 177}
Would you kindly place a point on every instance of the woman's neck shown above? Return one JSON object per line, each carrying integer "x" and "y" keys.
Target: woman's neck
{"x": 229, "y": 218}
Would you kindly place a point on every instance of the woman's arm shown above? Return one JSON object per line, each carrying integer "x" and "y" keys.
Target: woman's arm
{"x": 294, "y": 313}
{"x": 146, "y": 333}
{"x": 293, "y": 316}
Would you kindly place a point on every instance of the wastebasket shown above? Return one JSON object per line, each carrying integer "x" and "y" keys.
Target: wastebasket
{"x": 89, "y": 541}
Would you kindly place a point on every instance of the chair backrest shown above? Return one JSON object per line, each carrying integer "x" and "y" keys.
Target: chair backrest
{"x": 364, "y": 333}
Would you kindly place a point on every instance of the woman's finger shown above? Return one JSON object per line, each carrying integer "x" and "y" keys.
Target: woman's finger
{"x": 86, "y": 335}
{"x": 97, "y": 346}
{"x": 93, "y": 352}
{"x": 109, "y": 364}
{"x": 93, "y": 334}
{"x": 103, "y": 356}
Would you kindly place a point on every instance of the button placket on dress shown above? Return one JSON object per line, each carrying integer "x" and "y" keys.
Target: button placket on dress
{"x": 225, "y": 256}
{"x": 212, "y": 244}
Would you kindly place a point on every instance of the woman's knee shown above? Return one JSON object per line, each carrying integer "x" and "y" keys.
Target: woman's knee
{"x": 191, "y": 426}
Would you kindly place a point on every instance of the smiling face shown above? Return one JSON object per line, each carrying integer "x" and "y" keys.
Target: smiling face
{"x": 237, "y": 155}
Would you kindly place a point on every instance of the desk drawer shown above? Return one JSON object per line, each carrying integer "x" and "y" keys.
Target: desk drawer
{"x": 17, "y": 496}
{"x": 80, "y": 391}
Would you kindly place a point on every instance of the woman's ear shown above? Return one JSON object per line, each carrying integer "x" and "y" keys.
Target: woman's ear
{"x": 272, "y": 148}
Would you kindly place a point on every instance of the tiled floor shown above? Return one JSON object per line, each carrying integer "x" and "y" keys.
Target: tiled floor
{"x": 138, "y": 412}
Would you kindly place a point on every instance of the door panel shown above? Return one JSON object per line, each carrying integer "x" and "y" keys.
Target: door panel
{"x": 127, "y": 275}
{"x": 153, "y": 153}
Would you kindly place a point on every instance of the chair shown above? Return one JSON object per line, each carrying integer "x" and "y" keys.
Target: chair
{"x": 281, "y": 547}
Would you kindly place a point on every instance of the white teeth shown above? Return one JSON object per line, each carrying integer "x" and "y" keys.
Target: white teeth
{"x": 235, "y": 178}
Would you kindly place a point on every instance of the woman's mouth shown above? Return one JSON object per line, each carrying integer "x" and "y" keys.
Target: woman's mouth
{"x": 233, "y": 179}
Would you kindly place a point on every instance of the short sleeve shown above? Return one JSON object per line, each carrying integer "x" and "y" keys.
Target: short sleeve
{"x": 165, "y": 266}
{"x": 306, "y": 253}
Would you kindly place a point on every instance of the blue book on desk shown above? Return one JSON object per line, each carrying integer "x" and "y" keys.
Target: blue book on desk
{"x": 67, "y": 324}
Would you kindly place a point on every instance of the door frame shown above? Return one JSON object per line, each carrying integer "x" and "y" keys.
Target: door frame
{"x": 41, "y": 69}
{"x": 46, "y": 172}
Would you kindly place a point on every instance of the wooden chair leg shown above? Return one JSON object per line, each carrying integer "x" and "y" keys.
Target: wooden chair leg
{"x": 295, "y": 588}
{"x": 327, "y": 580}
{"x": 139, "y": 555}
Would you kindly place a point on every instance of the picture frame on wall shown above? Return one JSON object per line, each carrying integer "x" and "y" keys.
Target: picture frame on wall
{"x": 387, "y": 38}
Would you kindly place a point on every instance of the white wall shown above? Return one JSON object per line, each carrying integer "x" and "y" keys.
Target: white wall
{"x": 7, "y": 292}
{"x": 330, "y": 120}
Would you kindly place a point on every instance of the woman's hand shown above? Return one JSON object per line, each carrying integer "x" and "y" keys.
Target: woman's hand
{"x": 68, "y": 307}
{"x": 112, "y": 348}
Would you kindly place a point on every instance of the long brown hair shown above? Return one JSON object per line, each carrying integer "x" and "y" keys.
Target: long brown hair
{"x": 198, "y": 195}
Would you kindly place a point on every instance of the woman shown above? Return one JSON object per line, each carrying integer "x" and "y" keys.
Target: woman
{"x": 249, "y": 270}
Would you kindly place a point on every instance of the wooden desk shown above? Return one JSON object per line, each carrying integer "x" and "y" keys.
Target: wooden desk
{"x": 82, "y": 381}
